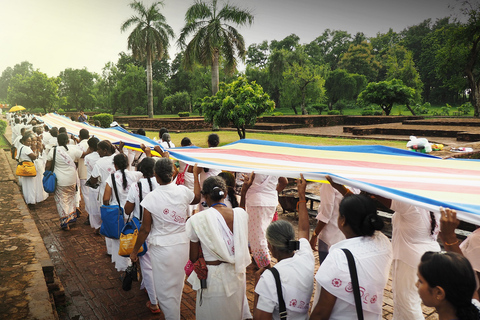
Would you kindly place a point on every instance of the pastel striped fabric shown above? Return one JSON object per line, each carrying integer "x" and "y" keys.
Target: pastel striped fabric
{"x": 114, "y": 135}
{"x": 423, "y": 180}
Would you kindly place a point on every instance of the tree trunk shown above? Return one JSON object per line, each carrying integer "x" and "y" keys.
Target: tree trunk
{"x": 215, "y": 75}
{"x": 304, "y": 110}
{"x": 474, "y": 92}
{"x": 149, "y": 85}
{"x": 409, "y": 108}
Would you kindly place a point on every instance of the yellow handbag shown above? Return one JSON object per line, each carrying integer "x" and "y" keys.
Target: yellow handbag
{"x": 127, "y": 242}
{"x": 26, "y": 169}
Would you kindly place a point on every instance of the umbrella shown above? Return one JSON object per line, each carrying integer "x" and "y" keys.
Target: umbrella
{"x": 16, "y": 108}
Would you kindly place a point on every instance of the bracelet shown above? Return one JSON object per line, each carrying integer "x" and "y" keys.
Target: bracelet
{"x": 451, "y": 244}
{"x": 301, "y": 201}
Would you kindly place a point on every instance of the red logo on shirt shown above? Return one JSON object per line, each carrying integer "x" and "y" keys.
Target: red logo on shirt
{"x": 165, "y": 211}
{"x": 293, "y": 302}
{"x": 336, "y": 282}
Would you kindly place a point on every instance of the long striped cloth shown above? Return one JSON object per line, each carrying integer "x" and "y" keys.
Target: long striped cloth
{"x": 114, "y": 135}
{"x": 423, "y": 180}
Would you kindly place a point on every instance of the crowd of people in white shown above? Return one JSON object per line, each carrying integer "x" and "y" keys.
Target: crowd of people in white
{"x": 211, "y": 225}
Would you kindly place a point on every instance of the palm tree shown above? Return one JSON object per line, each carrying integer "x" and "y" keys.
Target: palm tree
{"x": 213, "y": 37}
{"x": 149, "y": 40}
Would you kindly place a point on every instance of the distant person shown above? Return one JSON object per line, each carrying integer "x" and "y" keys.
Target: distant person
{"x": 83, "y": 117}
{"x": 166, "y": 141}
{"x": 186, "y": 142}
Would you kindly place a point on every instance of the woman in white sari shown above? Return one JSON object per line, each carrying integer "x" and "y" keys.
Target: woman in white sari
{"x": 66, "y": 172}
{"x": 221, "y": 233}
{"x": 26, "y": 153}
{"x": 164, "y": 216}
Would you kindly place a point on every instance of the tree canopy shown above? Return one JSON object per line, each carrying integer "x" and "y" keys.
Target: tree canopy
{"x": 387, "y": 93}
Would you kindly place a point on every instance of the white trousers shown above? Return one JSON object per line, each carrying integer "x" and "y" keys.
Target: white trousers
{"x": 406, "y": 301}
{"x": 147, "y": 277}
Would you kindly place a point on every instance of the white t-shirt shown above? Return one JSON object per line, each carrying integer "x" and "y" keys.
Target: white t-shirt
{"x": 471, "y": 249}
{"x": 103, "y": 168}
{"x": 65, "y": 168}
{"x": 168, "y": 205}
{"x": 164, "y": 144}
{"x": 411, "y": 236}
{"x": 46, "y": 136}
{"x": 263, "y": 191}
{"x": 373, "y": 257}
{"x": 132, "y": 178}
{"x": 82, "y": 170}
{"x": 90, "y": 160}
{"x": 297, "y": 285}
{"x": 134, "y": 194}
{"x": 23, "y": 152}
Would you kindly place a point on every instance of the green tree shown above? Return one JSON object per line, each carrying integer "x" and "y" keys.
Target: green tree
{"x": 239, "y": 102}
{"x": 305, "y": 82}
{"x": 129, "y": 92}
{"x": 177, "y": 102}
{"x": 257, "y": 55}
{"x": 360, "y": 59}
{"x": 149, "y": 39}
{"x": 76, "y": 87}
{"x": 213, "y": 37}
{"x": 341, "y": 85}
{"x": 329, "y": 47}
{"x": 387, "y": 93}
{"x": 33, "y": 91}
{"x": 23, "y": 68}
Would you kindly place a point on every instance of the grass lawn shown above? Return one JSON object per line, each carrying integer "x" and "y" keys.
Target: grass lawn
{"x": 4, "y": 142}
{"x": 200, "y": 139}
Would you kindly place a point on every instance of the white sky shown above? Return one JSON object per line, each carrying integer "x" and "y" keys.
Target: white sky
{"x": 57, "y": 34}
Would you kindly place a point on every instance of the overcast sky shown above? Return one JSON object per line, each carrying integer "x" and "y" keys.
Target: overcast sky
{"x": 57, "y": 34}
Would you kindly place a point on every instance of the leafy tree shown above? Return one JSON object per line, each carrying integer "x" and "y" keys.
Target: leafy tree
{"x": 239, "y": 102}
{"x": 77, "y": 87}
{"x": 289, "y": 43}
{"x": 341, "y": 85}
{"x": 360, "y": 59}
{"x": 33, "y": 91}
{"x": 461, "y": 53}
{"x": 149, "y": 39}
{"x": 177, "y": 102}
{"x": 213, "y": 37}
{"x": 129, "y": 92}
{"x": 305, "y": 82}
{"x": 329, "y": 47}
{"x": 386, "y": 93}
{"x": 257, "y": 55}
{"x": 23, "y": 68}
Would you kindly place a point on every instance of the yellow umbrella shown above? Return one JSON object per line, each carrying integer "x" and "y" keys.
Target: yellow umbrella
{"x": 16, "y": 108}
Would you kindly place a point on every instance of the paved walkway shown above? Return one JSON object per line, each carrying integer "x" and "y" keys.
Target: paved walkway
{"x": 92, "y": 286}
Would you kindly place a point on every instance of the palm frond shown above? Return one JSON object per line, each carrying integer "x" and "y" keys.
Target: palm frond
{"x": 198, "y": 11}
{"x": 234, "y": 14}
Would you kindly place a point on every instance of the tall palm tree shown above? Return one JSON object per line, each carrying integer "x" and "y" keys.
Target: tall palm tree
{"x": 149, "y": 40}
{"x": 213, "y": 37}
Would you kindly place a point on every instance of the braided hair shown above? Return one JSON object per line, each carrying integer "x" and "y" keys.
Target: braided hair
{"x": 147, "y": 167}
{"x": 121, "y": 162}
{"x": 360, "y": 214}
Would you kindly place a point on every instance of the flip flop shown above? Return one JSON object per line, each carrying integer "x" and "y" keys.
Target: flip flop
{"x": 149, "y": 306}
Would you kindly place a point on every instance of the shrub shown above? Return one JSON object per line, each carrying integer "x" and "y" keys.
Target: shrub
{"x": 104, "y": 118}
{"x": 61, "y": 111}
{"x": 184, "y": 114}
{"x": 465, "y": 108}
{"x": 421, "y": 109}
{"x": 319, "y": 107}
{"x": 178, "y": 102}
{"x": 333, "y": 112}
{"x": 3, "y": 126}
{"x": 372, "y": 111}
{"x": 277, "y": 114}
{"x": 139, "y": 110}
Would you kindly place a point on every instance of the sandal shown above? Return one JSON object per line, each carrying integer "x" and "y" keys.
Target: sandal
{"x": 149, "y": 306}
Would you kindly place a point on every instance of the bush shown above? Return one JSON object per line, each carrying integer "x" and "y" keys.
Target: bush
{"x": 104, "y": 118}
{"x": 3, "y": 126}
{"x": 372, "y": 111}
{"x": 184, "y": 114}
{"x": 178, "y": 102}
{"x": 61, "y": 111}
{"x": 319, "y": 107}
{"x": 139, "y": 110}
{"x": 465, "y": 108}
{"x": 421, "y": 109}
{"x": 333, "y": 112}
{"x": 277, "y": 114}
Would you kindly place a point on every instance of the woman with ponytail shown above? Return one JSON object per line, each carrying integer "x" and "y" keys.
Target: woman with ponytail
{"x": 123, "y": 180}
{"x": 147, "y": 184}
{"x": 372, "y": 252}
{"x": 447, "y": 282}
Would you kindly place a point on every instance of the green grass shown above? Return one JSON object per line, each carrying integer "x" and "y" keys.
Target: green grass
{"x": 200, "y": 139}
{"x": 4, "y": 142}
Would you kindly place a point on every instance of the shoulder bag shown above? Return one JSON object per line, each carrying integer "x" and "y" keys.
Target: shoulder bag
{"x": 129, "y": 234}
{"x": 282, "y": 308}
{"x": 25, "y": 168}
{"x": 49, "y": 180}
{"x": 112, "y": 216}
{"x": 355, "y": 285}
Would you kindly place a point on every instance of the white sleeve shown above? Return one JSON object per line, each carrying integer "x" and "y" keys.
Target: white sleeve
{"x": 267, "y": 291}
{"x": 327, "y": 203}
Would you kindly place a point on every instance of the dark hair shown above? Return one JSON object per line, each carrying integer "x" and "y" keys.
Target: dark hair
{"x": 97, "y": 123}
{"x": 433, "y": 223}
{"x": 121, "y": 162}
{"x": 454, "y": 274}
{"x": 186, "y": 142}
{"x": 54, "y": 131}
{"x": 62, "y": 130}
{"x": 62, "y": 140}
{"x": 166, "y": 138}
{"x": 213, "y": 140}
{"x": 25, "y": 137}
{"x": 93, "y": 143}
{"x": 360, "y": 214}
{"x": 17, "y": 120}
{"x": 46, "y": 128}
{"x": 164, "y": 169}
{"x": 147, "y": 167}
{"x": 162, "y": 131}
{"x": 141, "y": 132}
{"x": 230, "y": 182}
{"x": 106, "y": 145}
{"x": 84, "y": 134}
{"x": 215, "y": 187}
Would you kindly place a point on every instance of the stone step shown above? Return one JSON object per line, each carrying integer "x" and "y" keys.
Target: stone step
{"x": 416, "y": 130}
{"x": 464, "y": 122}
